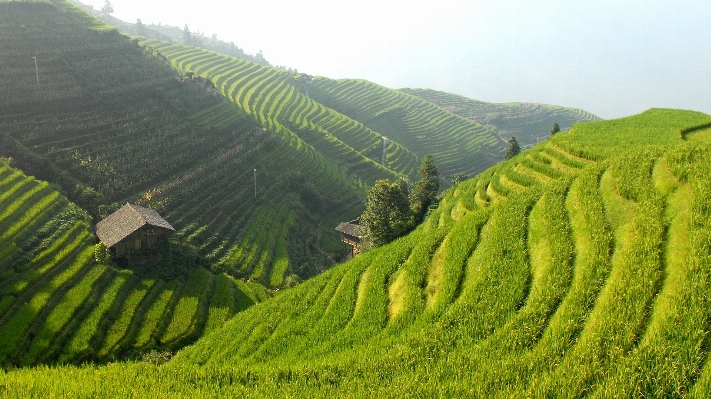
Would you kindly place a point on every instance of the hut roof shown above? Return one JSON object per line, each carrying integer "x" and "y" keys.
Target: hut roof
{"x": 351, "y": 228}
{"x": 125, "y": 221}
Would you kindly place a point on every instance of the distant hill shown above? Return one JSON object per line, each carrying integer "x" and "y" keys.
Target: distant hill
{"x": 298, "y": 104}
{"x": 580, "y": 266}
{"x": 456, "y": 144}
{"x": 377, "y": 108}
{"x": 278, "y": 101}
{"x": 529, "y": 122}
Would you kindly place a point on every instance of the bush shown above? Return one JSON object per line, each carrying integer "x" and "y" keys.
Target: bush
{"x": 101, "y": 253}
{"x": 156, "y": 357}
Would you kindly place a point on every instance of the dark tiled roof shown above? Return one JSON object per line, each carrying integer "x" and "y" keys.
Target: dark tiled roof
{"x": 125, "y": 221}
{"x": 351, "y": 228}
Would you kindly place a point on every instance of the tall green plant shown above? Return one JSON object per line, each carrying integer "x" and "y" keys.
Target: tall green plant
{"x": 424, "y": 193}
{"x": 514, "y": 148}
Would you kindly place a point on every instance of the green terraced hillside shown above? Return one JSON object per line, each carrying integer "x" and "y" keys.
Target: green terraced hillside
{"x": 580, "y": 268}
{"x": 456, "y": 144}
{"x": 57, "y": 304}
{"x": 112, "y": 122}
{"x": 280, "y": 101}
{"x": 529, "y": 122}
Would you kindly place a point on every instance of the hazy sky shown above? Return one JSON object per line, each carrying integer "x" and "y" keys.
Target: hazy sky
{"x": 612, "y": 58}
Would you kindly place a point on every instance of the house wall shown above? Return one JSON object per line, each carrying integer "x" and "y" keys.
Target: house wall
{"x": 146, "y": 236}
{"x": 354, "y": 242}
{"x": 349, "y": 239}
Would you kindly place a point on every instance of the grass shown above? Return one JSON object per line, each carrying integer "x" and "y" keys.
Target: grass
{"x": 183, "y": 314}
{"x": 120, "y": 325}
{"x": 153, "y": 316}
{"x": 78, "y": 346}
{"x": 60, "y": 316}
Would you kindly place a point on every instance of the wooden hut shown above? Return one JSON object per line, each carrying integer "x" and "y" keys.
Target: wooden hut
{"x": 131, "y": 228}
{"x": 351, "y": 235}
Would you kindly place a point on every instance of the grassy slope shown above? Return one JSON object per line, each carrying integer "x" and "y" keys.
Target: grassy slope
{"x": 57, "y": 304}
{"x": 529, "y": 122}
{"x": 113, "y": 123}
{"x": 341, "y": 119}
{"x": 580, "y": 267}
{"x": 274, "y": 98}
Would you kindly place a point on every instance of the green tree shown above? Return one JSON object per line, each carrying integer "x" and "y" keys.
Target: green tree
{"x": 187, "y": 36}
{"x": 424, "y": 193}
{"x": 387, "y": 213}
{"x": 107, "y": 8}
{"x": 259, "y": 58}
{"x": 458, "y": 178}
{"x": 140, "y": 28}
{"x": 555, "y": 129}
{"x": 514, "y": 148}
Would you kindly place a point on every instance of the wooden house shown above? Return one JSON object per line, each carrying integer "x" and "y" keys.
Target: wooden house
{"x": 131, "y": 228}
{"x": 351, "y": 235}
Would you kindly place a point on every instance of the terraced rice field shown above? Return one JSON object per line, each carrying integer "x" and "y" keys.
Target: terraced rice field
{"x": 456, "y": 144}
{"x": 577, "y": 268}
{"x": 58, "y": 305}
{"x": 529, "y": 122}
{"x": 565, "y": 257}
{"x": 112, "y": 122}
{"x": 278, "y": 101}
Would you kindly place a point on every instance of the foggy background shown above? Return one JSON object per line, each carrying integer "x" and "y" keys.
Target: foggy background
{"x": 612, "y": 58}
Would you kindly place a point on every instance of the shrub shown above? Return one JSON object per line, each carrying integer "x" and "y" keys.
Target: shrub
{"x": 101, "y": 253}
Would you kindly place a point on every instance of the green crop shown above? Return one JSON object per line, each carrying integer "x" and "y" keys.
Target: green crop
{"x": 578, "y": 268}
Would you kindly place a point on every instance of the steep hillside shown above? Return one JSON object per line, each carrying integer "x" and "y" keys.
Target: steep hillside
{"x": 280, "y": 101}
{"x": 57, "y": 304}
{"x": 112, "y": 122}
{"x": 580, "y": 267}
{"x": 529, "y": 122}
{"x": 457, "y": 144}
{"x": 341, "y": 120}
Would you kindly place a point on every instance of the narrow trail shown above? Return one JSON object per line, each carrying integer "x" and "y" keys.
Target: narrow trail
{"x": 385, "y": 150}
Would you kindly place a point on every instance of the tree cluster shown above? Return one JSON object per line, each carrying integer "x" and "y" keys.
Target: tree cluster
{"x": 187, "y": 35}
{"x": 387, "y": 213}
{"x": 107, "y": 8}
{"x": 458, "y": 178}
{"x": 393, "y": 209}
{"x": 140, "y": 28}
